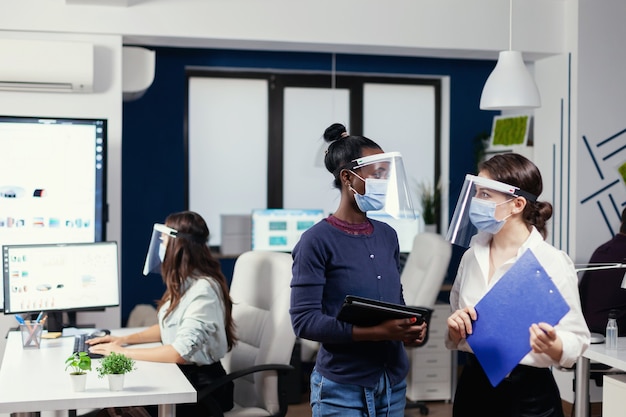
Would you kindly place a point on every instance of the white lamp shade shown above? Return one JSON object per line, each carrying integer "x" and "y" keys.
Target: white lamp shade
{"x": 510, "y": 85}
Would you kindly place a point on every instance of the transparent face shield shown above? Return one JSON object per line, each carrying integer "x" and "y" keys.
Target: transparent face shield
{"x": 461, "y": 228}
{"x": 156, "y": 250}
{"x": 387, "y": 168}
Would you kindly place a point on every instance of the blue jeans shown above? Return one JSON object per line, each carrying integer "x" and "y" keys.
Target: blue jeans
{"x": 329, "y": 398}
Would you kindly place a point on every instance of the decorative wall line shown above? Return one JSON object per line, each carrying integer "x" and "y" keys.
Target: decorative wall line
{"x": 607, "y": 188}
{"x": 569, "y": 150}
{"x": 593, "y": 158}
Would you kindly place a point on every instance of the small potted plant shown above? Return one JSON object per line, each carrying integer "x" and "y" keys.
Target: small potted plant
{"x": 115, "y": 366}
{"x": 80, "y": 363}
{"x": 429, "y": 200}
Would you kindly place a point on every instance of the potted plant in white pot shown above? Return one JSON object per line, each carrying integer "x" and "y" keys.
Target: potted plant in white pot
{"x": 429, "y": 196}
{"x": 115, "y": 366}
{"x": 80, "y": 363}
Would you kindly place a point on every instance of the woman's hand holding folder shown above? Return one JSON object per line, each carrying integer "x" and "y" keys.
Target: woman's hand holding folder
{"x": 460, "y": 323}
{"x": 406, "y": 330}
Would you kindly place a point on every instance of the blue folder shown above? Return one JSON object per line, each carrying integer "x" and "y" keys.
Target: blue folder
{"x": 524, "y": 295}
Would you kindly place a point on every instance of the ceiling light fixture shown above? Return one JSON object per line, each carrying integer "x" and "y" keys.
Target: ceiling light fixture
{"x": 510, "y": 85}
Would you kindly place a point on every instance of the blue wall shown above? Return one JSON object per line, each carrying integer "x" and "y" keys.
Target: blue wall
{"x": 153, "y": 147}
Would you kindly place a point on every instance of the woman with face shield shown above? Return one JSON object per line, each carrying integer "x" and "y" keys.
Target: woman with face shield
{"x": 359, "y": 370}
{"x": 502, "y": 204}
{"x": 195, "y": 324}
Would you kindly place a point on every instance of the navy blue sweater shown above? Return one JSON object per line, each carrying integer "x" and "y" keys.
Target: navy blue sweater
{"x": 328, "y": 265}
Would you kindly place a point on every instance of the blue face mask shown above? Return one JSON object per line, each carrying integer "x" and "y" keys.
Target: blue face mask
{"x": 482, "y": 214}
{"x": 375, "y": 194}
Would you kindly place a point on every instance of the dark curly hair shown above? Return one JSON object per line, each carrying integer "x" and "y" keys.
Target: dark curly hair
{"x": 343, "y": 149}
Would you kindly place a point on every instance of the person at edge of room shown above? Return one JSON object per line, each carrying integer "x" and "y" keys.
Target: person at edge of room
{"x": 510, "y": 220}
{"x": 195, "y": 324}
{"x": 359, "y": 371}
{"x": 601, "y": 290}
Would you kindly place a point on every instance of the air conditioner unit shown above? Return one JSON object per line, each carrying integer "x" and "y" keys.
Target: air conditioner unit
{"x": 137, "y": 71}
{"x": 46, "y": 66}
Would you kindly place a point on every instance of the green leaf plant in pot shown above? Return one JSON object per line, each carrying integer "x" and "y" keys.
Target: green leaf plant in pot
{"x": 79, "y": 363}
{"x": 429, "y": 197}
{"x": 115, "y": 366}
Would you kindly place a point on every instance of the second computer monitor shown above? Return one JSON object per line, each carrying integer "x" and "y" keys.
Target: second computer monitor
{"x": 60, "y": 277}
{"x": 280, "y": 229}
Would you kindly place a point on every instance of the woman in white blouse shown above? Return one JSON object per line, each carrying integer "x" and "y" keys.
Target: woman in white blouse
{"x": 195, "y": 324}
{"x": 510, "y": 220}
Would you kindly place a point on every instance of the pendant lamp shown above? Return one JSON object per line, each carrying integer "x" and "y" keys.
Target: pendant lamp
{"x": 510, "y": 85}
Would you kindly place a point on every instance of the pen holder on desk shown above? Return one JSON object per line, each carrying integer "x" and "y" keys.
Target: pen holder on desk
{"x": 31, "y": 335}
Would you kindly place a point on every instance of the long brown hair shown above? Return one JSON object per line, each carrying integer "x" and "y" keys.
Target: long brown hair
{"x": 188, "y": 256}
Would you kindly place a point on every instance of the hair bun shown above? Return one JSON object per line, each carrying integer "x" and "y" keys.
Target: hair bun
{"x": 335, "y": 132}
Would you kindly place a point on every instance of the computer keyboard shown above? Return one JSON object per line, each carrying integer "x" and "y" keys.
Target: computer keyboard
{"x": 81, "y": 346}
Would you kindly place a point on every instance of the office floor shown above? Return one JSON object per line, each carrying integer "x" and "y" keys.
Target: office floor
{"x": 435, "y": 409}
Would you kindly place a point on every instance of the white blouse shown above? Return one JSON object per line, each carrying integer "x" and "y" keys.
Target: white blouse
{"x": 195, "y": 328}
{"x": 472, "y": 283}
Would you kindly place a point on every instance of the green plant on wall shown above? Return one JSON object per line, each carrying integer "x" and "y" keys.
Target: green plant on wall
{"x": 510, "y": 131}
{"x": 622, "y": 172}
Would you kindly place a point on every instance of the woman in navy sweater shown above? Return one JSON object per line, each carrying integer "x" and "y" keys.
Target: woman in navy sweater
{"x": 359, "y": 370}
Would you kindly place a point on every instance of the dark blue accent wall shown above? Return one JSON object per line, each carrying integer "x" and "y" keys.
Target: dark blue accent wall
{"x": 153, "y": 133}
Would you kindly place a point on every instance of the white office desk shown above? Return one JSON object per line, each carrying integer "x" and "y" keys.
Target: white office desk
{"x": 598, "y": 353}
{"x": 34, "y": 380}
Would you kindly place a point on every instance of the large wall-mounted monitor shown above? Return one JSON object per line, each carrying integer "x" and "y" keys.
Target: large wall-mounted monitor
{"x": 280, "y": 229}
{"x": 60, "y": 277}
{"x": 52, "y": 180}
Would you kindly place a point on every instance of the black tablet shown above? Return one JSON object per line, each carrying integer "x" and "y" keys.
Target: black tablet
{"x": 366, "y": 312}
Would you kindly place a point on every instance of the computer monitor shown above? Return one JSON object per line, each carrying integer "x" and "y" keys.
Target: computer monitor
{"x": 52, "y": 180}
{"x": 60, "y": 277}
{"x": 280, "y": 229}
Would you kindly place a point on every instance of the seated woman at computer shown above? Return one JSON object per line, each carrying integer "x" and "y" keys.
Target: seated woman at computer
{"x": 195, "y": 324}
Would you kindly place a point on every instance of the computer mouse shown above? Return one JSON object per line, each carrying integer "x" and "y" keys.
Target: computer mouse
{"x": 100, "y": 332}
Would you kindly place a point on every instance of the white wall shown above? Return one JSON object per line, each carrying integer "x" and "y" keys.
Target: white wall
{"x": 551, "y": 150}
{"x": 583, "y": 95}
{"x": 104, "y": 102}
{"x": 453, "y": 28}
{"x": 601, "y": 114}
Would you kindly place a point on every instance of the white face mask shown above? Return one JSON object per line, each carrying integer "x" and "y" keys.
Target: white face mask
{"x": 162, "y": 249}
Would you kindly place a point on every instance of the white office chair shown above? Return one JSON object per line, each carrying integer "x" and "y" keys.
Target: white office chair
{"x": 142, "y": 315}
{"x": 422, "y": 276}
{"x": 260, "y": 361}
{"x": 425, "y": 269}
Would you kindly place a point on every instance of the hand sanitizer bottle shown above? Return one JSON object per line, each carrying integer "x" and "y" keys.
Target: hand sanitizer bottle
{"x": 611, "y": 330}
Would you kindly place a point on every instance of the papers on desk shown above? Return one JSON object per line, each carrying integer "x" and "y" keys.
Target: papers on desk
{"x": 524, "y": 295}
{"x": 73, "y": 331}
